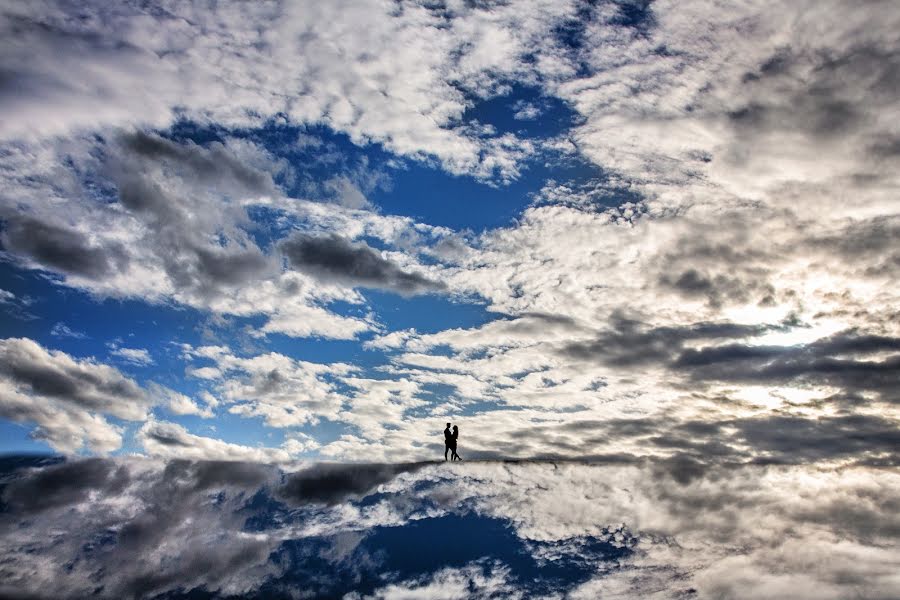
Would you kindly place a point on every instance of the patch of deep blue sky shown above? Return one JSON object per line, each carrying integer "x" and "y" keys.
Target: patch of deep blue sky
{"x": 423, "y": 545}
{"x": 426, "y": 545}
{"x": 418, "y": 189}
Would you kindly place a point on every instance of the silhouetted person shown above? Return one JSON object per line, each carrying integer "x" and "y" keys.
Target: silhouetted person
{"x": 449, "y": 442}
{"x": 453, "y": 438}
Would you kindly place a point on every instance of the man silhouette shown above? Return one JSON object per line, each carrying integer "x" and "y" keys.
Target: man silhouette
{"x": 448, "y": 440}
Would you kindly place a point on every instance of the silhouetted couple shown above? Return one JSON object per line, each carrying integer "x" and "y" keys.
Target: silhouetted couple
{"x": 450, "y": 438}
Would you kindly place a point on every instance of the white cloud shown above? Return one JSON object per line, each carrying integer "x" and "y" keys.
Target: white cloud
{"x": 709, "y": 106}
{"x": 65, "y": 397}
{"x": 170, "y": 440}
{"x": 136, "y": 356}
{"x": 180, "y": 404}
{"x": 299, "y": 443}
{"x": 283, "y": 391}
{"x": 376, "y": 403}
{"x": 63, "y": 330}
{"x": 204, "y": 372}
{"x": 723, "y": 295}
{"x": 451, "y": 584}
{"x": 373, "y": 71}
{"x": 526, "y": 111}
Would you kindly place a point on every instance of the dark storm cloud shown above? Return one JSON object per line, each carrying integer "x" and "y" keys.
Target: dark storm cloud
{"x": 780, "y": 439}
{"x": 783, "y": 439}
{"x": 885, "y": 146}
{"x": 824, "y": 362}
{"x": 824, "y": 116}
{"x": 229, "y": 267}
{"x": 209, "y": 474}
{"x": 166, "y": 437}
{"x": 55, "y": 375}
{"x": 213, "y": 164}
{"x": 333, "y": 483}
{"x": 629, "y": 343}
{"x": 532, "y": 323}
{"x": 718, "y": 288}
{"x": 843, "y": 360}
{"x": 147, "y": 198}
{"x": 722, "y": 265}
{"x": 817, "y": 102}
{"x": 334, "y": 258}
{"x": 191, "y": 507}
{"x": 868, "y": 246}
{"x": 684, "y": 449}
{"x": 197, "y": 238}
{"x": 189, "y": 261}
{"x": 61, "y": 248}
{"x": 64, "y": 485}
{"x": 682, "y": 468}
{"x": 549, "y": 318}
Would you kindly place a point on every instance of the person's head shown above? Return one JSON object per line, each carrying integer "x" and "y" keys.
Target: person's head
{"x": 448, "y": 424}
{"x": 455, "y": 428}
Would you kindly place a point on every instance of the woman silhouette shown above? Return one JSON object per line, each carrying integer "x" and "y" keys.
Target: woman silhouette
{"x": 453, "y": 439}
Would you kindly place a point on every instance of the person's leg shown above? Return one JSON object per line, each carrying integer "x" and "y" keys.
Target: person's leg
{"x": 446, "y": 449}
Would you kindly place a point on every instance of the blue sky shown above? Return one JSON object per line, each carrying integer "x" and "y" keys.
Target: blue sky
{"x": 84, "y": 325}
{"x": 298, "y": 232}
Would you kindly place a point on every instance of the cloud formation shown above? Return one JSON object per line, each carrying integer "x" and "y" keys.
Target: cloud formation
{"x": 181, "y": 231}
{"x": 700, "y": 272}
{"x": 170, "y": 440}
{"x": 398, "y": 76}
{"x": 566, "y": 528}
{"x": 334, "y": 483}
{"x": 65, "y": 397}
{"x": 57, "y": 248}
{"x": 335, "y": 258}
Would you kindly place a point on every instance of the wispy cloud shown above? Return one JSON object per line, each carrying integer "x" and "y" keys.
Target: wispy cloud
{"x": 63, "y": 330}
{"x": 136, "y": 356}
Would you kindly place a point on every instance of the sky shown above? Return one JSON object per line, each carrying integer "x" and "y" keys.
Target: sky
{"x": 319, "y": 231}
{"x": 255, "y": 255}
{"x": 143, "y": 528}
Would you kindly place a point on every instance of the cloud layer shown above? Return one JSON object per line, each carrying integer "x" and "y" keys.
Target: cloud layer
{"x": 67, "y": 398}
{"x": 699, "y": 271}
{"x": 569, "y": 530}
